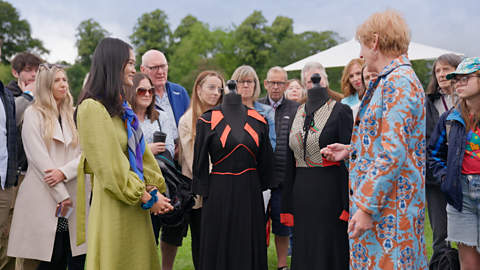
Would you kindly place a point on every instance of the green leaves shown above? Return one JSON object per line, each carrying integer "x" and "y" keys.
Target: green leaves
{"x": 89, "y": 34}
{"x": 16, "y": 34}
{"x": 152, "y": 31}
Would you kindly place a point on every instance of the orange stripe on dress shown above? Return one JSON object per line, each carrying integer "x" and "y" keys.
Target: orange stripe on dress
{"x": 256, "y": 115}
{"x": 234, "y": 151}
{"x": 252, "y": 132}
{"x": 204, "y": 120}
{"x": 217, "y": 116}
{"x": 229, "y": 173}
{"x": 224, "y": 137}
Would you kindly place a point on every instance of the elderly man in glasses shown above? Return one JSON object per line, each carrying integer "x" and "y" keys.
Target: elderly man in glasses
{"x": 173, "y": 99}
{"x": 170, "y": 97}
{"x": 276, "y": 84}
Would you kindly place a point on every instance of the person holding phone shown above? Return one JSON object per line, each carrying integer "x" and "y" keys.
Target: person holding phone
{"x": 49, "y": 189}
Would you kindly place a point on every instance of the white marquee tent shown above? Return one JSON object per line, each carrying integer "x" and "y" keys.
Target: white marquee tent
{"x": 340, "y": 55}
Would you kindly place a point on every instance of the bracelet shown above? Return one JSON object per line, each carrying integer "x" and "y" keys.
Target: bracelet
{"x": 28, "y": 92}
{"x": 153, "y": 200}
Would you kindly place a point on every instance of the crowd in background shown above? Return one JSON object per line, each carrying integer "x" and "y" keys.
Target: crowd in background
{"x": 353, "y": 172}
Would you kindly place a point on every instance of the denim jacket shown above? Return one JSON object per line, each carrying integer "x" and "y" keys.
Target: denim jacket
{"x": 269, "y": 114}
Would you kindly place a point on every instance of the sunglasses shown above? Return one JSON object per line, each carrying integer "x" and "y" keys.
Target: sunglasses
{"x": 143, "y": 90}
{"x": 49, "y": 66}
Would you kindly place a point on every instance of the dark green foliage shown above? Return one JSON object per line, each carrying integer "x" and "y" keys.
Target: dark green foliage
{"x": 152, "y": 31}
{"x": 16, "y": 34}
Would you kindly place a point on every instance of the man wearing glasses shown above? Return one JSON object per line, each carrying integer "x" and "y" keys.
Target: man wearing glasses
{"x": 173, "y": 99}
{"x": 276, "y": 84}
{"x": 170, "y": 97}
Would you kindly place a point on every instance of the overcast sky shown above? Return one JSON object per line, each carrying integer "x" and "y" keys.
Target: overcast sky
{"x": 450, "y": 25}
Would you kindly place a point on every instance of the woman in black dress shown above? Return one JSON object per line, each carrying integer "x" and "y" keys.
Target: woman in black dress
{"x": 315, "y": 193}
{"x": 235, "y": 139}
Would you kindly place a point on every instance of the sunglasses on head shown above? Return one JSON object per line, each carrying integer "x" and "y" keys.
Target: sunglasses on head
{"x": 143, "y": 90}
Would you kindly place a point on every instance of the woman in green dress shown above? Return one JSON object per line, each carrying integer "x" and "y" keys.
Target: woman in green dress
{"x": 125, "y": 175}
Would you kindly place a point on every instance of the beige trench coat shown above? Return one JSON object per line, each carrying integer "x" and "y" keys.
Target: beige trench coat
{"x": 34, "y": 223}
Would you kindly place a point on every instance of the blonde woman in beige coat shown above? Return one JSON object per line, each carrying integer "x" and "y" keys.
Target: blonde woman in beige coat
{"x": 53, "y": 152}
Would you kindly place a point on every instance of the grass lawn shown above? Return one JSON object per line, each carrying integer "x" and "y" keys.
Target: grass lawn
{"x": 184, "y": 261}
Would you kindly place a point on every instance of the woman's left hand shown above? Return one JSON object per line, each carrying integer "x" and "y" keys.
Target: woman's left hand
{"x": 359, "y": 224}
{"x": 53, "y": 176}
{"x": 162, "y": 206}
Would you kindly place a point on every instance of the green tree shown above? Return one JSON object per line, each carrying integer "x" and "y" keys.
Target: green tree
{"x": 423, "y": 69}
{"x": 89, "y": 34}
{"x": 252, "y": 42}
{"x": 225, "y": 51}
{"x": 76, "y": 75}
{"x": 194, "y": 48}
{"x": 280, "y": 31}
{"x": 16, "y": 34}
{"x": 152, "y": 31}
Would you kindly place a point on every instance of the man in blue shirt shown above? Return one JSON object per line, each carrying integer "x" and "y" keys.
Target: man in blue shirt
{"x": 170, "y": 97}
{"x": 174, "y": 100}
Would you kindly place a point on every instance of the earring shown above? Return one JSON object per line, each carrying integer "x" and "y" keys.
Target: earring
{"x": 371, "y": 50}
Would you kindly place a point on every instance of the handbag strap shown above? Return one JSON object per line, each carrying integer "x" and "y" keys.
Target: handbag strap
{"x": 160, "y": 126}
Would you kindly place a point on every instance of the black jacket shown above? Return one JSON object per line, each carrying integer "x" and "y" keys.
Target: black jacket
{"x": 432, "y": 119}
{"x": 14, "y": 88}
{"x": 22, "y": 102}
{"x": 9, "y": 104}
{"x": 282, "y": 119}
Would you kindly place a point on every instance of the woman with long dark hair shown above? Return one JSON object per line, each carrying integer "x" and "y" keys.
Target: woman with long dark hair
{"x": 125, "y": 174}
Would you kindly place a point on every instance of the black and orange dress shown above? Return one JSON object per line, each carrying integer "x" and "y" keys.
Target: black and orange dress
{"x": 233, "y": 219}
{"x": 315, "y": 191}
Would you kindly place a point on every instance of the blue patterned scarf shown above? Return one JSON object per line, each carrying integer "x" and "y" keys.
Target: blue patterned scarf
{"x": 136, "y": 143}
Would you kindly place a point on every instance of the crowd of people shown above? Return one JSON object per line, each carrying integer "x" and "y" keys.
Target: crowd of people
{"x": 353, "y": 173}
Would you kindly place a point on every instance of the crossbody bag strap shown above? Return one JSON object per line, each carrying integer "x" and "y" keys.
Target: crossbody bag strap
{"x": 160, "y": 126}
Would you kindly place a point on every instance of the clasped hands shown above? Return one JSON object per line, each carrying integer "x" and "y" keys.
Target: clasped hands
{"x": 162, "y": 206}
{"x": 361, "y": 221}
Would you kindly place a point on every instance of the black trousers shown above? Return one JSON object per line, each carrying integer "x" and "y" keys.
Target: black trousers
{"x": 437, "y": 213}
{"x": 61, "y": 250}
{"x": 195, "y": 220}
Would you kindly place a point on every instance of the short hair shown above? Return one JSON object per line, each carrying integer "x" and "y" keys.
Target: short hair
{"x": 24, "y": 60}
{"x": 346, "y": 86}
{"x": 311, "y": 66}
{"x": 392, "y": 30}
{"x": 245, "y": 71}
{"x": 278, "y": 69}
{"x": 446, "y": 59}
{"x": 131, "y": 96}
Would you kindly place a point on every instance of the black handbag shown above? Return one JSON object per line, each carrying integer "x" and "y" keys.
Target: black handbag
{"x": 178, "y": 191}
{"x": 448, "y": 261}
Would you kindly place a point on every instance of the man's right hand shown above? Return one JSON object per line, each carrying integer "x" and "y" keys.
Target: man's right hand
{"x": 24, "y": 87}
